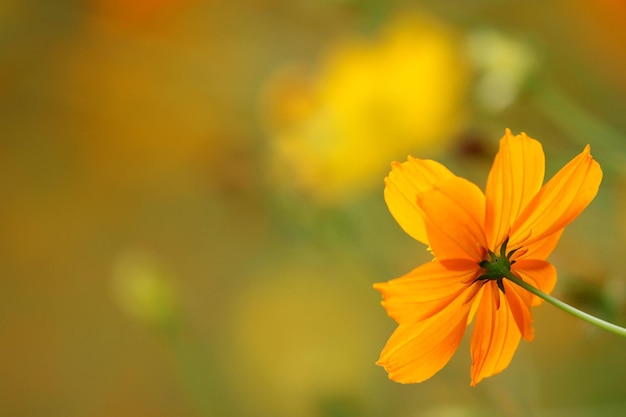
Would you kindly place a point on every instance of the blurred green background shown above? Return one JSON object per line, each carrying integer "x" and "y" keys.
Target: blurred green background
{"x": 191, "y": 213}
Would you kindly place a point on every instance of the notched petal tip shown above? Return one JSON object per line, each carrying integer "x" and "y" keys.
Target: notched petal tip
{"x": 508, "y": 134}
{"x": 399, "y": 165}
{"x": 384, "y": 290}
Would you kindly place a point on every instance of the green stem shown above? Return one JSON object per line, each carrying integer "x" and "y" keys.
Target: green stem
{"x": 581, "y": 125}
{"x": 566, "y": 307}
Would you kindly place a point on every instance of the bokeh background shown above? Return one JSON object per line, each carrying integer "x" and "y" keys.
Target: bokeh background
{"x": 191, "y": 213}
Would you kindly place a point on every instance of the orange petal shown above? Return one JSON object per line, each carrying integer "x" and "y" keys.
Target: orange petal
{"x": 519, "y": 301}
{"x": 416, "y": 351}
{"x": 515, "y": 177}
{"x": 495, "y": 337}
{"x": 559, "y": 202}
{"x": 454, "y": 211}
{"x": 540, "y": 274}
{"x": 402, "y": 186}
{"x": 542, "y": 248}
{"x": 426, "y": 290}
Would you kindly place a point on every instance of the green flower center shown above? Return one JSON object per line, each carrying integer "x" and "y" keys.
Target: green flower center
{"x": 497, "y": 267}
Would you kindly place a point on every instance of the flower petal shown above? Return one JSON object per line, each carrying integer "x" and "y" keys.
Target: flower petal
{"x": 542, "y": 248}
{"x": 496, "y": 334}
{"x": 540, "y": 274}
{"x": 426, "y": 290}
{"x": 454, "y": 211}
{"x": 519, "y": 301}
{"x": 416, "y": 351}
{"x": 515, "y": 177}
{"x": 559, "y": 202}
{"x": 402, "y": 186}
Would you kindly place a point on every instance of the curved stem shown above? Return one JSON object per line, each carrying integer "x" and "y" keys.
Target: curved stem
{"x": 566, "y": 307}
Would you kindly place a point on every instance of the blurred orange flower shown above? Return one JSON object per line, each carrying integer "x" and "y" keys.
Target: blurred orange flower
{"x": 138, "y": 13}
{"x": 595, "y": 32}
{"x": 513, "y": 226}
{"x": 400, "y": 92}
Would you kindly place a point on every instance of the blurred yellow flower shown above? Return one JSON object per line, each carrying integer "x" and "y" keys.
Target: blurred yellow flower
{"x": 371, "y": 100}
{"x": 477, "y": 240}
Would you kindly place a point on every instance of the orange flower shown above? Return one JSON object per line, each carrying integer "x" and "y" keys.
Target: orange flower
{"x": 512, "y": 227}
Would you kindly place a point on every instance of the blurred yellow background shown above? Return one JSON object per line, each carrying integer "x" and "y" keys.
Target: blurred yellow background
{"x": 191, "y": 212}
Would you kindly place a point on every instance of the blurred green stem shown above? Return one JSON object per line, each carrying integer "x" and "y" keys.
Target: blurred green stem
{"x": 580, "y": 124}
{"x": 198, "y": 372}
{"x": 566, "y": 307}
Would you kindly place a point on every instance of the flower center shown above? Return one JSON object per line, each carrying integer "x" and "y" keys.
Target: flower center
{"x": 497, "y": 266}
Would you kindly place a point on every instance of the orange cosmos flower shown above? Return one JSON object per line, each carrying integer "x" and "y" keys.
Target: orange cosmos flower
{"x": 512, "y": 227}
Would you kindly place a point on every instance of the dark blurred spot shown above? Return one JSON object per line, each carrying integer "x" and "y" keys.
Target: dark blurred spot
{"x": 590, "y": 297}
{"x": 473, "y": 145}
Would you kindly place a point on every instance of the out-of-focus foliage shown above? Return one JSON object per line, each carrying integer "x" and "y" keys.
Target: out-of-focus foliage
{"x": 192, "y": 213}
